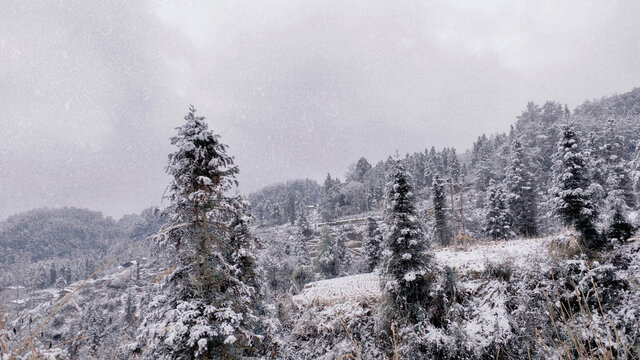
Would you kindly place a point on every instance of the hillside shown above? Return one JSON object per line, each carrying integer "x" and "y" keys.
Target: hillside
{"x": 55, "y": 233}
{"x": 505, "y": 297}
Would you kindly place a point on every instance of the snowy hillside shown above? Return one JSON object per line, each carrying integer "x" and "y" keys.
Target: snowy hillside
{"x": 497, "y": 285}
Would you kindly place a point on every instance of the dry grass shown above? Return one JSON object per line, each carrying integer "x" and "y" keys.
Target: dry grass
{"x": 571, "y": 343}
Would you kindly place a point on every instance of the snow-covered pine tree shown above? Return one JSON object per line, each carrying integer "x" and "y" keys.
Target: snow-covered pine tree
{"x": 327, "y": 199}
{"x": 521, "y": 193}
{"x": 442, "y": 230}
{"x": 202, "y": 308}
{"x": 572, "y": 193}
{"x": 597, "y": 166}
{"x": 93, "y": 323}
{"x": 371, "y": 244}
{"x": 299, "y": 241}
{"x": 498, "y": 221}
{"x": 330, "y": 255}
{"x": 303, "y": 273}
{"x": 620, "y": 197}
{"x": 406, "y": 272}
{"x": 635, "y": 168}
{"x": 454, "y": 165}
{"x": 245, "y": 297}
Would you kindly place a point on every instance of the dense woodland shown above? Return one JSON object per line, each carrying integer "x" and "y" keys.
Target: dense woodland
{"x": 216, "y": 276}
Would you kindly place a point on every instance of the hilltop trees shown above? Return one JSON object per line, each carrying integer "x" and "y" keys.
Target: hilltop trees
{"x": 406, "y": 270}
{"x": 572, "y": 193}
{"x": 209, "y": 308}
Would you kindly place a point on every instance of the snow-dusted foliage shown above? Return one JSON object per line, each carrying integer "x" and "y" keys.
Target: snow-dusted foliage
{"x": 372, "y": 244}
{"x": 211, "y": 307}
{"x": 405, "y": 272}
{"x": 572, "y": 193}
{"x": 635, "y": 167}
{"x": 331, "y": 254}
{"x": 620, "y": 197}
{"x": 498, "y": 220}
{"x": 521, "y": 192}
{"x": 441, "y": 224}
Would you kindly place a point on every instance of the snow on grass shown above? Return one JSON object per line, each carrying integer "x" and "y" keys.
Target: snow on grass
{"x": 359, "y": 287}
{"x": 519, "y": 252}
{"x": 366, "y": 286}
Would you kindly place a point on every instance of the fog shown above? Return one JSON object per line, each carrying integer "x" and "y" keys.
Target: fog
{"x": 92, "y": 91}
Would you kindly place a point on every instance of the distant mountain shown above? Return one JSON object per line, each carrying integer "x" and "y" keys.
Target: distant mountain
{"x": 53, "y": 233}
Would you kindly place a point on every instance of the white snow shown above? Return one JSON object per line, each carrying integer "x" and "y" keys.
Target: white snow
{"x": 367, "y": 286}
{"x": 477, "y": 256}
{"x": 348, "y": 288}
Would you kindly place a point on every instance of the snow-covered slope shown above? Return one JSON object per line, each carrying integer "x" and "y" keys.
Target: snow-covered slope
{"x": 503, "y": 294}
{"x": 521, "y": 252}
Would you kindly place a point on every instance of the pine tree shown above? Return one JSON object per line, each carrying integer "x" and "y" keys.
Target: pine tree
{"x": 498, "y": 221}
{"x": 442, "y": 230}
{"x": 620, "y": 197}
{"x": 521, "y": 193}
{"x": 94, "y": 323}
{"x": 328, "y": 199}
{"x": 406, "y": 273}
{"x": 618, "y": 175}
{"x": 300, "y": 253}
{"x": 53, "y": 275}
{"x": 129, "y": 307}
{"x": 303, "y": 273}
{"x": 371, "y": 244}
{"x": 594, "y": 153}
{"x": 454, "y": 165}
{"x": 635, "y": 168}
{"x": 205, "y": 302}
{"x": 290, "y": 207}
{"x": 331, "y": 254}
{"x": 572, "y": 194}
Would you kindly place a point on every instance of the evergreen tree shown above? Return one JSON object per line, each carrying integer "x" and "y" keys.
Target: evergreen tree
{"x": 205, "y": 306}
{"x": 331, "y": 254}
{"x": 572, "y": 194}
{"x": 371, "y": 244}
{"x": 618, "y": 175}
{"x": 290, "y": 207}
{"x": 521, "y": 195}
{"x": 53, "y": 275}
{"x": 300, "y": 238}
{"x": 360, "y": 170}
{"x": 620, "y": 197}
{"x": 406, "y": 272}
{"x": 498, "y": 221}
{"x": 635, "y": 168}
{"x": 597, "y": 167}
{"x": 442, "y": 230}
{"x": 328, "y": 198}
{"x": 303, "y": 272}
{"x": 454, "y": 165}
{"x": 129, "y": 307}
{"x": 94, "y": 324}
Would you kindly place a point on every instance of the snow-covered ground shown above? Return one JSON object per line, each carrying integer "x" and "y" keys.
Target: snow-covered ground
{"x": 322, "y": 305}
{"x": 349, "y": 288}
{"x": 520, "y": 252}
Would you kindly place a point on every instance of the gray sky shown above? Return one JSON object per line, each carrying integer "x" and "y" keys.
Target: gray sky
{"x": 90, "y": 91}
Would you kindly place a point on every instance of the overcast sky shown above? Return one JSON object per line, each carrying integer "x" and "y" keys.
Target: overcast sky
{"x": 91, "y": 91}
